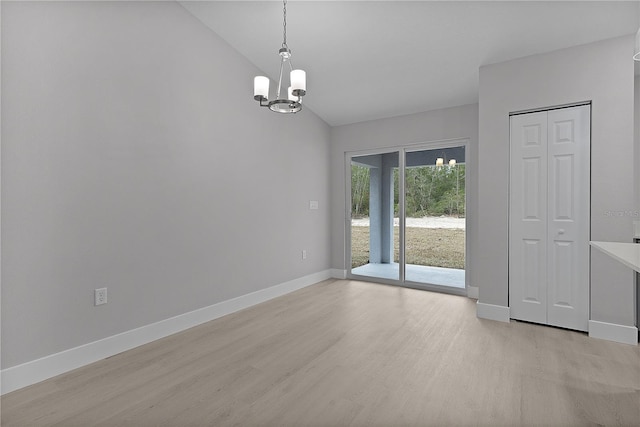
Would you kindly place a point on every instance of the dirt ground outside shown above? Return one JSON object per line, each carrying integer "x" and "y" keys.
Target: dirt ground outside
{"x": 432, "y": 241}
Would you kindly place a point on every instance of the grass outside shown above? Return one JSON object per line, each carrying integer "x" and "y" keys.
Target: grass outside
{"x": 436, "y": 247}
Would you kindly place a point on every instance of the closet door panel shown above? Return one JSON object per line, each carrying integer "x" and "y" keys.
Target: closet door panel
{"x": 528, "y": 217}
{"x": 568, "y": 217}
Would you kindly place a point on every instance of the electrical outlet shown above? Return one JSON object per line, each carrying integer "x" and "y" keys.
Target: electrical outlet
{"x": 304, "y": 254}
{"x": 100, "y": 296}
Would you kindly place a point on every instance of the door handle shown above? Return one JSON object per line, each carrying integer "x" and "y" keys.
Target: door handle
{"x": 561, "y": 231}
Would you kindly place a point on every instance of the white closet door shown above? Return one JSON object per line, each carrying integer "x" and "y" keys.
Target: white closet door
{"x": 568, "y": 228}
{"x": 528, "y": 218}
{"x": 549, "y": 217}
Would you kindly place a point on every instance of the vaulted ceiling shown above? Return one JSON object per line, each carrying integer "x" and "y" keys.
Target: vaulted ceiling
{"x": 373, "y": 59}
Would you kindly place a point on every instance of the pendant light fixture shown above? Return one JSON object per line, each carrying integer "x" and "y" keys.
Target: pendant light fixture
{"x": 440, "y": 162}
{"x": 292, "y": 102}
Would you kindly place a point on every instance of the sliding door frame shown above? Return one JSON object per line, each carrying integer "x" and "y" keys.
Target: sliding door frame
{"x": 349, "y": 155}
{"x": 402, "y": 151}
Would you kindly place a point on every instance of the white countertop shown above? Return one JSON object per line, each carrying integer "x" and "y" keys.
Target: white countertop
{"x": 626, "y": 253}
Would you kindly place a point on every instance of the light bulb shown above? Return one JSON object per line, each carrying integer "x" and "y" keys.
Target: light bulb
{"x": 291, "y": 96}
{"x": 298, "y": 82}
{"x": 260, "y": 87}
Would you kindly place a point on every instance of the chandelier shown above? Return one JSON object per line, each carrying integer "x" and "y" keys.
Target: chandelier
{"x": 440, "y": 162}
{"x": 297, "y": 80}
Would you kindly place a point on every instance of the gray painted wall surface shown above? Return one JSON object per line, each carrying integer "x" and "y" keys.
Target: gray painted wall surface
{"x": 438, "y": 125}
{"x": 636, "y": 167}
{"x": 602, "y": 73}
{"x": 134, "y": 157}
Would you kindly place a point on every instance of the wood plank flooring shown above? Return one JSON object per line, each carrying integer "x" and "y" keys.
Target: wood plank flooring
{"x": 347, "y": 353}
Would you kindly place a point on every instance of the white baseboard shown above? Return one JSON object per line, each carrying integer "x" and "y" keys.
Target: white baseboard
{"x": 492, "y": 312}
{"x": 338, "y": 274}
{"x": 473, "y": 292}
{"x": 613, "y": 332}
{"x": 38, "y": 370}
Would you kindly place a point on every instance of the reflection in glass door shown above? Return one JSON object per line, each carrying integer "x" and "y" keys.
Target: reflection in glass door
{"x": 407, "y": 216}
{"x": 374, "y": 200}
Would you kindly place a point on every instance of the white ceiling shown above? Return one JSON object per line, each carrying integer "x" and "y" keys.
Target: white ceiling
{"x": 367, "y": 60}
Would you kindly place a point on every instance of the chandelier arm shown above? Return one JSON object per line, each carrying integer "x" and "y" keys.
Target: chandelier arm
{"x": 280, "y": 79}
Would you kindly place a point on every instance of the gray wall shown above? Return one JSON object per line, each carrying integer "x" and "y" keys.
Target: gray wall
{"x": 134, "y": 157}
{"x": 438, "y": 125}
{"x": 602, "y": 73}
{"x": 636, "y": 168}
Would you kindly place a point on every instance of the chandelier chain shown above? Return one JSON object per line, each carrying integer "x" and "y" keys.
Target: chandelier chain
{"x": 284, "y": 24}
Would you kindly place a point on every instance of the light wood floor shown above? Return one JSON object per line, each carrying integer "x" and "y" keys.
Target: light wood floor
{"x": 348, "y": 353}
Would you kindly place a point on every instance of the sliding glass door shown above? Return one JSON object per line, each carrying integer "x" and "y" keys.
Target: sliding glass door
{"x": 407, "y": 213}
{"x": 374, "y": 200}
{"x": 435, "y": 216}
